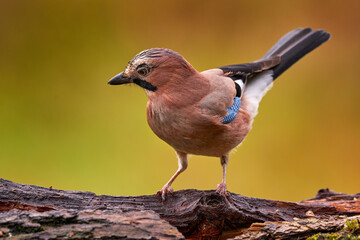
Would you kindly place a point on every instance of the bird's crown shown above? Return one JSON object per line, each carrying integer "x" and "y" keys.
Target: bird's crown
{"x": 151, "y": 58}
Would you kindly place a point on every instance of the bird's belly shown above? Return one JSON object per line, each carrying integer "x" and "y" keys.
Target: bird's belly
{"x": 197, "y": 134}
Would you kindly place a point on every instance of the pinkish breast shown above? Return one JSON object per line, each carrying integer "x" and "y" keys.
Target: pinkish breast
{"x": 189, "y": 130}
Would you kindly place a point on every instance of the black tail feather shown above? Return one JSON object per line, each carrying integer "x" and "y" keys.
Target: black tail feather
{"x": 294, "y": 46}
{"x": 287, "y": 41}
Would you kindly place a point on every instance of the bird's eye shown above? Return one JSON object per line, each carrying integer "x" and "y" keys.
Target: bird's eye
{"x": 144, "y": 71}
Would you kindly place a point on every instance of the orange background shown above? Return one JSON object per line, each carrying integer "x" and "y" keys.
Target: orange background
{"x": 61, "y": 125}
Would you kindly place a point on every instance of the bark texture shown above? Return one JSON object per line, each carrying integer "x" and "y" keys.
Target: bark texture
{"x": 28, "y": 212}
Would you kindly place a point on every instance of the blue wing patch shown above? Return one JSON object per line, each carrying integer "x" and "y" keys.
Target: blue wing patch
{"x": 232, "y": 111}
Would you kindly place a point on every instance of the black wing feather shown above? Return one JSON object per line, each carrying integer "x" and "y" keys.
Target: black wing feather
{"x": 243, "y": 71}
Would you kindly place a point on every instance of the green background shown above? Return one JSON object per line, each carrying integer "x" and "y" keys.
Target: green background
{"x": 61, "y": 125}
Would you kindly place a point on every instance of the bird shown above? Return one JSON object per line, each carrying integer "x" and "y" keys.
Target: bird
{"x": 211, "y": 112}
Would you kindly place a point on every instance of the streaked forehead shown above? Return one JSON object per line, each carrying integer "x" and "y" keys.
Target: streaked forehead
{"x": 151, "y": 54}
{"x": 155, "y": 53}
{"x": 152, "y": 57}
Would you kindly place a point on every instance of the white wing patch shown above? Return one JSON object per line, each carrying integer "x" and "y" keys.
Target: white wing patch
{"x": 241, "y": 85}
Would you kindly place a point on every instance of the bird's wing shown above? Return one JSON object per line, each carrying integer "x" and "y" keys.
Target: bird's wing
{"x": 253, "y": 80}
{"x": 225, "y": 85}
{"x": 221, "y": 93}
{"x": 241, "y": 71}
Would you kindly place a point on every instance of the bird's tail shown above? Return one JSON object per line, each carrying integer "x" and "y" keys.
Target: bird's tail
{"x": 290, "y": 48}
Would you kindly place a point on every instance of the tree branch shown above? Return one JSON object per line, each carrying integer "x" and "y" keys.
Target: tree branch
{"x": 38, "y": 212}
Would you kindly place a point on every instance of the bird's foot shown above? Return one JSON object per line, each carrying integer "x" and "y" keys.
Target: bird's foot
{"x": 165, "y": 190}
{"x": 221, "y": 189}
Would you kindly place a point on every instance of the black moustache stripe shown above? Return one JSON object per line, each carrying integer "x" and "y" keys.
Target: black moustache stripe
{"x": 145, "y": 84}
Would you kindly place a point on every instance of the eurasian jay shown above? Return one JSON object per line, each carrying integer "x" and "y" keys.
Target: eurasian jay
{"x": 209, "y": 113}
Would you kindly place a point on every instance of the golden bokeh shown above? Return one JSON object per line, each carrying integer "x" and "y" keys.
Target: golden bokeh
{"x": 61, "y": 125}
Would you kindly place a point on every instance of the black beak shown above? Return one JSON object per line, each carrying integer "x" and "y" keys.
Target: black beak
{"x": 119, "y": 79}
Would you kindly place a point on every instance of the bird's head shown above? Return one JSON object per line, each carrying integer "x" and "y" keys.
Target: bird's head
{"x": 153, "y": 69}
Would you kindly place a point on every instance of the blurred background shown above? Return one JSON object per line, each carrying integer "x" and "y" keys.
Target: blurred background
{"x": 61, "y": 125}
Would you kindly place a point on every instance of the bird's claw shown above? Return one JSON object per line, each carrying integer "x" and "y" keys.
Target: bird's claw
{"x": 165, "y": 190}
{"x": 221, "y": 189}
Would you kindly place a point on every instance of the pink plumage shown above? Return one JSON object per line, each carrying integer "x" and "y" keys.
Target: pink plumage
{"x": 186, "y": 108}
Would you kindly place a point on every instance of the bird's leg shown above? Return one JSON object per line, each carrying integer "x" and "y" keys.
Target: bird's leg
{"x": 221, "y": 187}
{"x": 183, "y": 162}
